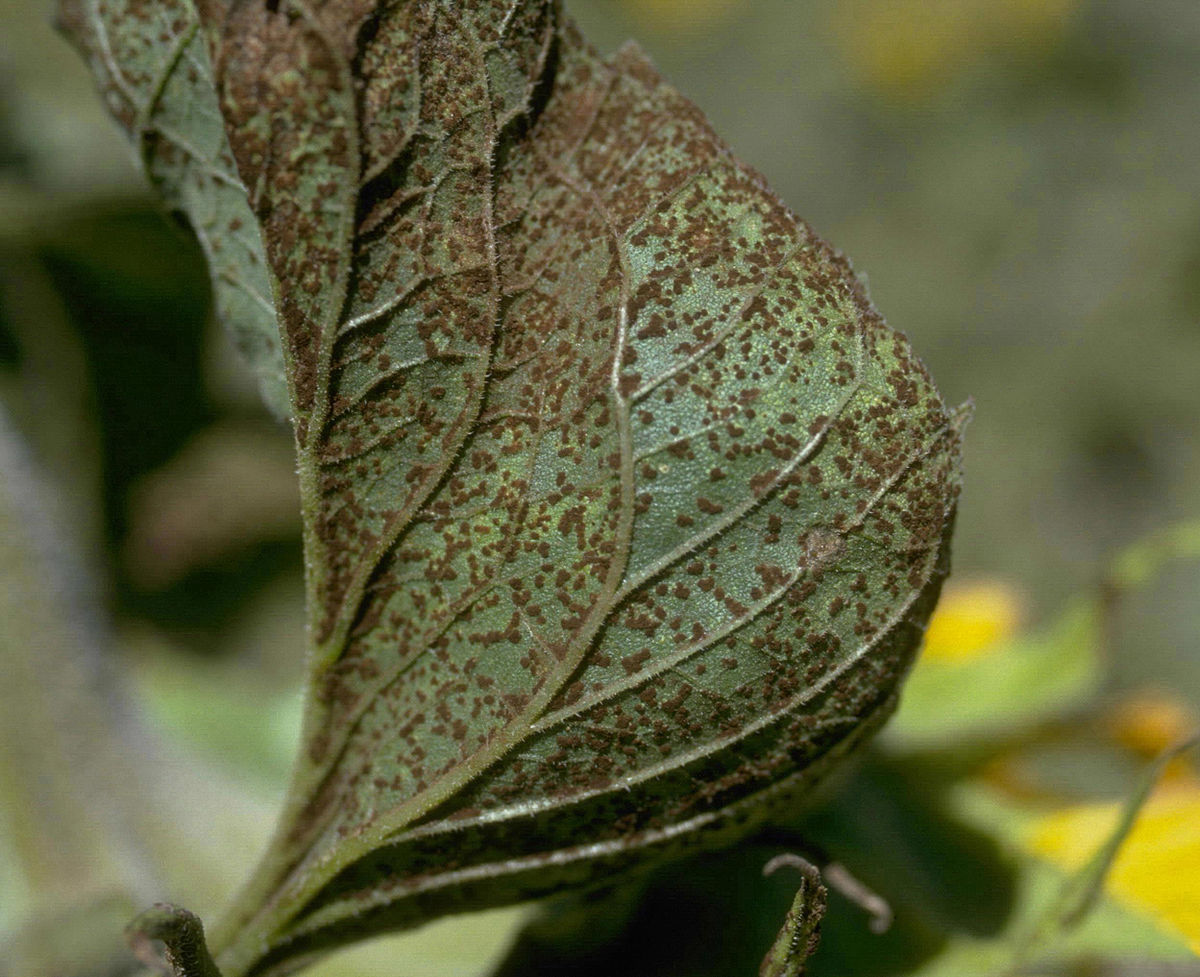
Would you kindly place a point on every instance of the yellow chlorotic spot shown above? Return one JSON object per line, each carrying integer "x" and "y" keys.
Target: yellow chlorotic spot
{"x": 1157, "y": 871}
{"x": 1150, "y": 722}
{"x": 972, "y": 619}
{"x": 685, "y": 15}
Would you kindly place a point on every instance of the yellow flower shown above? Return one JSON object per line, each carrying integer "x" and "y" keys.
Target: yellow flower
{"x": 1150, "y": 722}
{"x": 972, "y": 619}
{"x": 1157, "y": 871}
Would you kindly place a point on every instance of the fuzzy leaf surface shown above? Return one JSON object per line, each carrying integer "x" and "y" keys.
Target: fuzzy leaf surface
{"x": 623, "y": 507}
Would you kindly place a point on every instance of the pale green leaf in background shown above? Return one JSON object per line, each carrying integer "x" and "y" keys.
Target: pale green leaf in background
{"x": 1030, "y": 678}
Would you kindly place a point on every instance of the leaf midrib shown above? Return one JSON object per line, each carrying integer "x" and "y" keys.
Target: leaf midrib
{"x": 305, "y": 883}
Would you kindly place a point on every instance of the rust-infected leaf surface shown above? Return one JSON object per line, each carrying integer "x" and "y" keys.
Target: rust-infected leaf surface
{"x": 154, "y": 71}
{"x": 624, "y": 509}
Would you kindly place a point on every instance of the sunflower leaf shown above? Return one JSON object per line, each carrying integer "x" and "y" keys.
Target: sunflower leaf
{"x": 623, "y": 509}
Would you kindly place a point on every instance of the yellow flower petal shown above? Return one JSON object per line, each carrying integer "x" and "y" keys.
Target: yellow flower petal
{"x": 972, "y": 619}
{"x": 1157, "y": 870}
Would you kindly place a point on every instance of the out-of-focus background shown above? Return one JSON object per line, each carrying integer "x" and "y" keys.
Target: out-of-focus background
{"x": 1016, "y": 179}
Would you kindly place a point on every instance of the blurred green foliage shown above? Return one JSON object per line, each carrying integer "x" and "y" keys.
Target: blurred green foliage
{"x": 1019, "y": 181}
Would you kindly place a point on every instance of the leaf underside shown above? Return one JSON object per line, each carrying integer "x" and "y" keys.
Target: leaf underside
{"x": 623, "y": 508}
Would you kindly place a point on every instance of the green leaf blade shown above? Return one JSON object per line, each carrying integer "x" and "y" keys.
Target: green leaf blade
{"x": 623, "y": 507}
{"x": 153, "y": 67}
{"x": 618, "y": 616}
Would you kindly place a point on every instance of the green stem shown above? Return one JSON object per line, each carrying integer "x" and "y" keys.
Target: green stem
{"x": 181, "y": 932}
{"x": 798, "y": 937}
